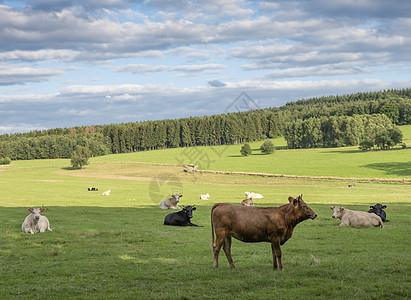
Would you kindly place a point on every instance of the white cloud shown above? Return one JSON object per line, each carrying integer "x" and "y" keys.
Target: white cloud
{"x": 10, "y": 75}
{"x": 188, "y": 70}
{"x": 158, "y": 59}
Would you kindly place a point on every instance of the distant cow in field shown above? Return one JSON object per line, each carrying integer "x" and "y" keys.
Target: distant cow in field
{"x": 247, "y": 202}
{"x": 253, "y": 195}
{"x": 106, "y": 193}
{"x": 355, "y": 218}
{"x": 181, "y": 218}
{"x": 204, "y": 196}
{"x": 256, "y": 224}
{"x": 35, "y": 222}
{"x": 378, "y": 210}
{"x": 92, "y": 189}
{"x": 171, "y": 202}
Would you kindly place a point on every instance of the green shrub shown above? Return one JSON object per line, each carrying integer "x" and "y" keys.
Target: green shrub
{"x": 267, "y": 147}
{"x": 5, "y": 161}
{"x": 246, "y": 150}
{"x": 366, "y": 145}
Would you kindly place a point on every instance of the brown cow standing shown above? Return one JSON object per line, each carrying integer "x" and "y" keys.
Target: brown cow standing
{"x": 256, "y": 224}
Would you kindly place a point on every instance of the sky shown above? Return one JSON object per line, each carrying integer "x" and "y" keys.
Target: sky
{"x": 93, "y": 62}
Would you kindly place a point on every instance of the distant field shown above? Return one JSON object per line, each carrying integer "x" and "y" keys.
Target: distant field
{"x": 337, "y": 162}
{"x": 116, "y": 247}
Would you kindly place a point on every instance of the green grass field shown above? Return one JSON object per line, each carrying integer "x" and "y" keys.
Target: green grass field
{"x": 340, "y": 162}
{"x": 110, "y": 247}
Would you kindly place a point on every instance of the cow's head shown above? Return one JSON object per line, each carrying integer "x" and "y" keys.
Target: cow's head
{"x": 337, "y": 211}
{"x": 377, "y": 208}
{"x": 35, "y": 212}
{"x": 301, "y": 209}
{"x": 177, "y": 197}
{"x": 189, "y": 210}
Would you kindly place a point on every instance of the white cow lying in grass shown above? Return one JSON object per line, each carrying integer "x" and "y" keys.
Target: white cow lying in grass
{"x": 253, "y": 195}
{"x": 171, "y": 202}
{"x": 356, "y": 218}
{"x": 204, "y": 196}
{"x": 35, "y": 222}
{"x": 107, "y": 193}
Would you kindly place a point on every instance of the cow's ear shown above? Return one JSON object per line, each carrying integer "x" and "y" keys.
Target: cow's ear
{"x": 384, "y": 206}
{"x": 290, "y": 199}
{"x": 194, "y": 208}
{"x": 296, "y": 202}
{"x": 30, "y": 209}
{"x": 180, "y": 195}
{"x": 372, "y": 207}
{"x": 332, "y": 207}
{"x": 342, "y": 208}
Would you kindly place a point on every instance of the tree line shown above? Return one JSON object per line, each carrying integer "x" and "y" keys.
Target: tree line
{"x": 327, "y": 132}
{"x": 395, "y": 104}
{"x": 53, "y": 146}
{"x": 223, "y": 129}
{"x": 330, "y": 121}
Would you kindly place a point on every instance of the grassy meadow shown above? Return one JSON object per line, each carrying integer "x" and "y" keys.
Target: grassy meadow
{"x": 111, "y": 247}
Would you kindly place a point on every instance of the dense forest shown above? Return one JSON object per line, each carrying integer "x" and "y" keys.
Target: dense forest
{"x": 326, "y": 132}
{"x": 317, "y": 122}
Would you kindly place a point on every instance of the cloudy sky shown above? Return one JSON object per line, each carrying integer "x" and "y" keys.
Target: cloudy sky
{"x": 70, "y": 63}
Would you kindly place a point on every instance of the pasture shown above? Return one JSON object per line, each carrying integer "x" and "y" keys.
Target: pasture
{"x": 106, "y": 247}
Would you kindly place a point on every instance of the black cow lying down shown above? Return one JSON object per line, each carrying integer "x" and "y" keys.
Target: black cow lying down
{"x": 181, "y": 218}
{"x": 92, "y": 189}
{"x": 378, "y": 210}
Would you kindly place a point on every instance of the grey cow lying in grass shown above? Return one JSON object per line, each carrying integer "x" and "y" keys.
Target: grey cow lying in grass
{"x": 35, "y": 222}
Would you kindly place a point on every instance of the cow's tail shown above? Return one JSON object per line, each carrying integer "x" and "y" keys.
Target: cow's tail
{"x": 212, "y": 225}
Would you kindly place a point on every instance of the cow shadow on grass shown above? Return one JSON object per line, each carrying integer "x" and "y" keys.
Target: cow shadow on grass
{"x": 392, "y": 168}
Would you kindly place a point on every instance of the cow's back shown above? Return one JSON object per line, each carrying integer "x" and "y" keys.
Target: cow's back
{"x": 169, "y": 219}
{"x": 163, "y": 204}
{"x": 361, "y": 218}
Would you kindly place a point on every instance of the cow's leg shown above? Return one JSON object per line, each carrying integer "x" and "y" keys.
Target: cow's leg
{"x": 217, "y": 247}
{"x": 276, "y": 249}
{"x": 227, "y": 251}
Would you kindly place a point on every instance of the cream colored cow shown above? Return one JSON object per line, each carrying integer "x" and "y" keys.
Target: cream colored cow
{"x": 253, "y": 195}
{"x": 35, "y": 222}
{"x": 356, "y": 218}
